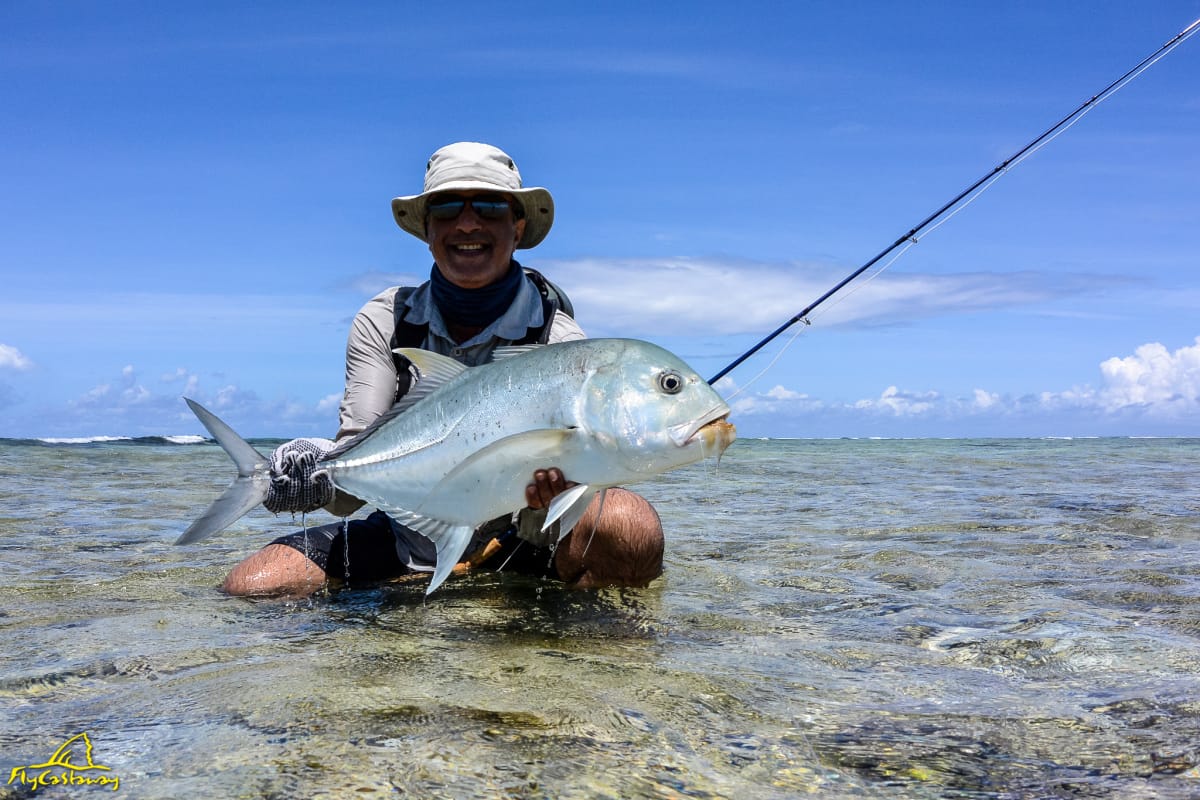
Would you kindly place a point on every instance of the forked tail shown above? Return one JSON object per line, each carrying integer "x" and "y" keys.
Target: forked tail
{"x": 248, "y": 489}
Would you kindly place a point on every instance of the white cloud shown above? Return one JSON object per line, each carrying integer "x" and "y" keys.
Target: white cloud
{"x": 126, "y": 406}
{"x": 902, "y": 404}
{"x": 12, "y": 358}
{"x": 191, "y": 381}
{"x": 984, "y": 400}
{"x": 777, "y": 401}
{"x": 685, "y": 296}
{"x": 1153, "y": 378}
{"x": 120, "y": 394}
{"x": 1153, "y": 382}
{"x": 780, "y": 393}
{"x": 1153, "y": 390}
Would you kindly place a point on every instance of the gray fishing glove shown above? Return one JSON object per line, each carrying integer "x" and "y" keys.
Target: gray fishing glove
{"x": 293, "y": 487}
{"x": 529, "y": 522}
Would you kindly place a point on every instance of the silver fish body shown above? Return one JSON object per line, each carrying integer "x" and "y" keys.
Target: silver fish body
{"x": 607, "y": 412}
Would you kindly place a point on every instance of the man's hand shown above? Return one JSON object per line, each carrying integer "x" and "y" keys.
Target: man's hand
{"x": 547, "y": 484}
{"x": 294, "y": 487}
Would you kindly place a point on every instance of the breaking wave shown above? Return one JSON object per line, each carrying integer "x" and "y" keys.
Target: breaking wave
{"x": 135, "y": 440}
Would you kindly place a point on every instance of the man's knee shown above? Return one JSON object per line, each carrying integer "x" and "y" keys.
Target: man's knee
{"x": 623, "y": 548}
{"x": 276, "y": 570}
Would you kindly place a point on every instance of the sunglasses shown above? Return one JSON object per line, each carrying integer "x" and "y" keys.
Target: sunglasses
{"x": 449, "y": 206}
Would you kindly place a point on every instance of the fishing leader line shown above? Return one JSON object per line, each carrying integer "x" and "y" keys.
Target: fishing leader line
{"x": 965, "y": 197}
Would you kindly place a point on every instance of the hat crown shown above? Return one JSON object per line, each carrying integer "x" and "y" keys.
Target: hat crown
{"x": 471, "y": 163}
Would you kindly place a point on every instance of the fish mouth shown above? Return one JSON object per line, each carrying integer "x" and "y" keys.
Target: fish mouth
{"x": 711, "y": 430}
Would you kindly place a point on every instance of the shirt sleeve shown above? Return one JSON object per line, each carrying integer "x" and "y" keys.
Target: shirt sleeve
{"x": 370, "y": 370}
{"x": 563, "y": 328}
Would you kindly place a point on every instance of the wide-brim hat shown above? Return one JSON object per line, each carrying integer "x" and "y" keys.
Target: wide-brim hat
{"x": 473, "y": 166}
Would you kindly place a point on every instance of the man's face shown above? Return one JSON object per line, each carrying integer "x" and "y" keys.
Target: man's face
{"x": 474, "y": 246}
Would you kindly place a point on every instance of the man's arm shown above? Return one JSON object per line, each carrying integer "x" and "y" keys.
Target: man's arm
{"x": 370, "y": 370}
{"x": 370, "y": 379}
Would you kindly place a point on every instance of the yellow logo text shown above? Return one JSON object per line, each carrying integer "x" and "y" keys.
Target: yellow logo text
{"x": 62, "y": 769}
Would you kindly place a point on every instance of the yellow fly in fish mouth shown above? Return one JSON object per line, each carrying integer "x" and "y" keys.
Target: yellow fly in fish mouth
{"x": 716, "y": 436}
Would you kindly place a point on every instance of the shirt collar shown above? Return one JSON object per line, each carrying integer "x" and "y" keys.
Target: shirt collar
{"x": 524, "y": 313}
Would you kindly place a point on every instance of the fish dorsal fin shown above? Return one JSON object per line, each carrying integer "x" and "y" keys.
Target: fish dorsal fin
{"x": 360, "y": 437}
{"x": 435, "y": 369}
{"x": 512, "y": 350}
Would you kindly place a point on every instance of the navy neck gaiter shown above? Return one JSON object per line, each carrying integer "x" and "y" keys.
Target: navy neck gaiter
{"x": 475, "y": 308}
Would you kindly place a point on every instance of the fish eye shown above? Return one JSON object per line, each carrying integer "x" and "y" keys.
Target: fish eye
{"x": 670, "y": 382}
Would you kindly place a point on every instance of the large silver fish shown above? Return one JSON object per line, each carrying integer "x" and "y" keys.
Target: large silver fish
{"x": 460, "y": 447}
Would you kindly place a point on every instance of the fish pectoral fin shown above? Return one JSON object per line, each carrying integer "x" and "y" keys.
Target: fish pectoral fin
{"x": 490, "y": 470}
{"x": 568, "y": 507}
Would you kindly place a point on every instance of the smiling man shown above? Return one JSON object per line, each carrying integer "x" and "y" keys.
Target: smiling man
{"x": 474, "y": 213}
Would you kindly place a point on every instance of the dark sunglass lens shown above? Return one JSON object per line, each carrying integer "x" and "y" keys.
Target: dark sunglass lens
{"x": 450, "y": 206}
{"x": 490, "y": 209}
{"x": 446, "y": 207}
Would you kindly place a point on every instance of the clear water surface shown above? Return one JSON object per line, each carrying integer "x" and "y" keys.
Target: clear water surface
{"x": 998, "y": 618}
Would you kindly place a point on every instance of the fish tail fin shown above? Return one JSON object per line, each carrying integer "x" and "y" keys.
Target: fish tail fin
{"x": 248, "y": 489}
{"x": 450, "y": 546}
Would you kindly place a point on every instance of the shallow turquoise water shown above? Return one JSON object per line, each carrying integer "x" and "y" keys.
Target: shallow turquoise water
{"x": 879, "y": 619}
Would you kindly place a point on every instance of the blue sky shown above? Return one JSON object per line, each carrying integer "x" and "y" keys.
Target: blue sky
{"x": 195, "y": 202}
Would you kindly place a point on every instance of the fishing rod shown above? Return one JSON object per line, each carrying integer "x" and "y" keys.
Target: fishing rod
{"x": 994, "y": 174}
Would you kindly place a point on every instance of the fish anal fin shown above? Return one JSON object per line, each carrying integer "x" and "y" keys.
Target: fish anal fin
{"x": 451, "y": 545}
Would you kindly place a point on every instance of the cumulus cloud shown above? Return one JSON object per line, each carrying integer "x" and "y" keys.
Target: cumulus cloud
{"x": 330, "y": 402}
{"x": 190, "y": 381}
{"x": 122, "y": 392}
{"x": 984, "y": 400}
{"x": 12, "y": 358}
{"x": 901, "y": 404}
{"x": 1153, "y": 385}
{"x": 128, "y": 405}
{"x": 685, "y": 296}
{"x": 1153, "y": 378}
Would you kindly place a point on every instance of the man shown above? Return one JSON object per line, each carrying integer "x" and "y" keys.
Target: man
{"x": 473, "y": 213}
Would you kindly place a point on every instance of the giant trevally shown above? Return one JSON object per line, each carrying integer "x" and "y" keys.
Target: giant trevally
{"x": 459, "y": 448}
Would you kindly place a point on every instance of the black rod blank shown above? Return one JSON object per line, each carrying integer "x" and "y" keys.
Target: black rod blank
{"x": 915, "y": 230}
